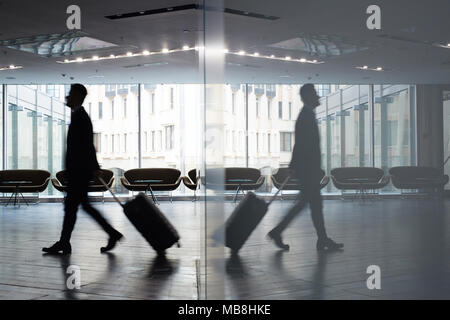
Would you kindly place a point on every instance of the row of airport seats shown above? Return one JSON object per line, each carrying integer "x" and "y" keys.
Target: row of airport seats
{"x": 235, "y": 179}
{"x": 363, "y": 179}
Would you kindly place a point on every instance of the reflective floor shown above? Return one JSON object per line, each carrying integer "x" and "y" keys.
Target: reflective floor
{"x": 407, "y": 238}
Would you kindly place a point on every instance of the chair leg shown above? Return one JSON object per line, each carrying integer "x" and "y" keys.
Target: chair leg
{"x": 9, "y": 200}
{"x": 236, "y": 194}
{"x": 153, "y": 195}
{"x": 26, "y": 202}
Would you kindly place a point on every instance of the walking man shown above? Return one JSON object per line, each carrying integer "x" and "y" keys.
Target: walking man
{"x": 305, "y": 166}
{"x": 81, "y": 166}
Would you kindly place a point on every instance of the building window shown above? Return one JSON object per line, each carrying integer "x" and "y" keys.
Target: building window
{"x": 125, "y": 142}
{"x": 153, "y": 141}
{"x": 112, "y": 143}
{"x": 290, "y": 110}
{"x": 286, "y": 141}
{"x": 169, "y": 130}
{"x": 257, "y": 107}
{"x": 118, "y": 142}
{"x": 112, "y": 109}
{"x": 100, "y": 110}
{"x": 269, "y": 106}
{"x": 257, "y": 142}
{"x": 280, "y": 110}
{"x": 97, "y": 142}
{"x": 268, "y": 143}
{"x": 152, "y": 110}
{"x": 124, "y": 107}
{"x": 233, "y": 103}
{"x": 171, "y": 98}
{"x": 106, "y": 143}
{"x": 145, "y": 141}
{"x": 89, "y": 109}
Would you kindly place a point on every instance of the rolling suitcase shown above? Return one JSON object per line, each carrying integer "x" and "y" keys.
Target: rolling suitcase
{"x": 245, "y": 218}
{"x": 149, "y": 221}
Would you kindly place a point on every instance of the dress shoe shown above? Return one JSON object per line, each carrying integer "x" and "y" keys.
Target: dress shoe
{"x": 276, "y": 237}
{"x": 58, "y": 247}
{"x": 327, "y": 243}
{"x": 113, "y": 239}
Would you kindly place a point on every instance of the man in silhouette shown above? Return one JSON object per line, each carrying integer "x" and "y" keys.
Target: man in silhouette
{"x": 305, "y": 166}
{"x": 81, "y": 166}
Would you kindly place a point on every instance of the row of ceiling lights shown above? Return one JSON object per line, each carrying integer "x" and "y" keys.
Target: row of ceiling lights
{"x": 187, "y": 48}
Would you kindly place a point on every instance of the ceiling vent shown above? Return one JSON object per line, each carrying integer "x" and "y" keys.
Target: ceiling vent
{"x": 188, "y": 7}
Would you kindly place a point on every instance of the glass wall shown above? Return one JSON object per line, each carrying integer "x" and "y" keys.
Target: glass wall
{"x": 36, "y": 129}
{"x": 394, "y": 122}
{"x": 259, "y": 125}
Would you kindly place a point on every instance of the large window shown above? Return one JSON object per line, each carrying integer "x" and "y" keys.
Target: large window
{"x": 393, "y": 121}
{"x": 37, "y": 125}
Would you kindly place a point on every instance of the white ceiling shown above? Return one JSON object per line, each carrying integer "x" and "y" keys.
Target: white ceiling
{"x": 413, "y": 61}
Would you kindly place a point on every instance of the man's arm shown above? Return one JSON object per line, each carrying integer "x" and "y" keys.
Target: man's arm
{"x": 88, "y": 145}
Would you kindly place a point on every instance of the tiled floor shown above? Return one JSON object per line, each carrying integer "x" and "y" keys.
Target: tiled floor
{"x": 409, "y": 239}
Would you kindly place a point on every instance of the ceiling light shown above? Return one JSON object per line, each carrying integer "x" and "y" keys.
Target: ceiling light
{"x": 256, "y": 54}
{"x": 95, "y": 58}
{"x": 314, "y": 61}
{"x": 12, "y": 66}
{"x": 79, "y": 59}
{"x": 225, "y": 50}
{"x": 379, "y": 68}
{"x": 145, "y": 52}
{"x": 288, "y": 58}
{"x": 112, "y": 56}
{"x": 302, "y": 60}
{"x": 365, "y": 67}
{"x": 165, "y": 50}
{"x": 242, "y": 52}
{"x": 185, "y": 47}
{"x": 448, "y": 44}
{"x": 272, "y": 56}
{"x": 66, "y": 60}
{"x": 129, "y": 53}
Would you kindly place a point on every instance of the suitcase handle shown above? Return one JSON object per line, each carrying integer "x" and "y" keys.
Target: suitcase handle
{"x": 106, "y": 186}
{"x": 281, "y": 188}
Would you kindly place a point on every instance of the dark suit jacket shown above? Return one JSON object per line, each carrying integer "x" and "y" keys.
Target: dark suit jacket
{"x": 305, "y": 161}
{"x": 81, "y": 159}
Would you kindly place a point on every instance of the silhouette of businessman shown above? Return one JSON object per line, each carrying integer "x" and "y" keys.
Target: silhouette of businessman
{"x": 81, "y": 166}
{"x": 305, "y": 166}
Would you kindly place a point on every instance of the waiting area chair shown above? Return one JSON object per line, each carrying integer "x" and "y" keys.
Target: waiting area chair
{"x": 417, "y": 177}
{"x": 191, "y": 181}
{"x": 60, "y": 182}
{"x": 242, "y": 179}
{"x": 281, "y": 174}
{"x": 18, "y": 182}
{"x": 360, "y": 179}
{"x": 152, "y": 179}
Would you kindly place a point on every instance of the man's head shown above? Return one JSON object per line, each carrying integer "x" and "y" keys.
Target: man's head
{"x": 76, "y": 95}
{"x": 309, "y": 95}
